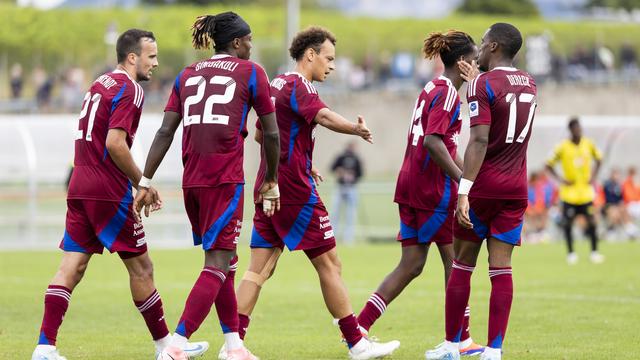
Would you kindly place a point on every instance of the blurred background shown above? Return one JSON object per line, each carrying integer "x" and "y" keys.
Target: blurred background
{"x": 582, "y": 53}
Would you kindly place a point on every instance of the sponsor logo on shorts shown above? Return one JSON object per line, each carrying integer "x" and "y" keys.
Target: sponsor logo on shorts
{"x": 324, "y": 222}
{"x": 328, "y": 234}
{"x": 138, "y": 230}
{"x": 141, "y": 242}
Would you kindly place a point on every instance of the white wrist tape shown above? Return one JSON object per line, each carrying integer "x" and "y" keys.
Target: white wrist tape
{"x": 144, "y": 182}
{"x": 266, "y": 205}
{"x": 464, "y": 187}
{"x": 272, "y": 193}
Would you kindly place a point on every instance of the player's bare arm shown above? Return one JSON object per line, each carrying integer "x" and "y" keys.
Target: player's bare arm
{"x": 473, "y": 157}
{"x": 336, "y": 122}
{"x": 458, "y": 160}
{"x": 554, "y": 174}
{"x": 441, "y": 156}
{"x": 159, "y": 147}
{"x": 270, "y": 140}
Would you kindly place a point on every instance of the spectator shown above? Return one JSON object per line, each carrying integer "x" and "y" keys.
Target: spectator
{"x": 16, "y": 81}
{"x": 347, "y": 167}
{"x": 631, "y": 194}
{"x": 614, "y": 209}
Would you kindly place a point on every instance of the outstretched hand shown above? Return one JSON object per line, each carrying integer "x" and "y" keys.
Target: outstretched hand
{"x": 362, "y": 130}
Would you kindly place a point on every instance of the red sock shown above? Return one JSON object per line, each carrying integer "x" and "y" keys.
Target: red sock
{"x": 372, "y": 310}
{"x": 226, "y": 302}
{"x": 56, "y": 302}
{"x": 153, "y": 314}
{"x": 465, "y": 324}
{"x": 499, "y": 304}
{"x": 201, "y": 297}
{"x": 350, "y": 331}
{"x": 244, "y": 325}
{"x": 457, "y": 298}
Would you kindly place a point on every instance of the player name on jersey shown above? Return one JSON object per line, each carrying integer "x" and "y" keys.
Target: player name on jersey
{"x": 518, "y": 80}
{"x": 217, "y": 64}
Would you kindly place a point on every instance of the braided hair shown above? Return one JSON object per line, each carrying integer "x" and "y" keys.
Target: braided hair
{"x": 450, "y": 46}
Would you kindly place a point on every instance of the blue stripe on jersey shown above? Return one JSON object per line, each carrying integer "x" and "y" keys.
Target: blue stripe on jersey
{"x": 426, "y": 161}
{"x": 197, "y": 239}
{"x": 479, "y": 227}
{"x": 116, "y": 99}
{"x": 439, "y": 216}
{"x": 407, "y": 232}
{"x": 257, "y": 241}
{"x": 490, "y": 93}
{"x": 253, "y": 83}
{"x": 455, "y": 115}
{"x": 210, "y": 237}
{"x": 109, "y": 234}
{"x": 176, "y": 83}
{"x": 295, "y": 127}
{"x": 433, "y": 102}
{"x": 245, "y": 109}
{"x": 510, "y": 237}
{"x": 69, "y": 245}
{"x": 104, "y": 154}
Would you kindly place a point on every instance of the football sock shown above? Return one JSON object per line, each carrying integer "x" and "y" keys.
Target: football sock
{"x": 56, "y": 302}
{"x": 200, "y": 300}
{"x": 349, "y": 328}
{"x": 499, "y": 304}
{"x": 457, "y": 299}
{"x": 226, "y": 302}
{"x": 244, "y": 325}
{"x": 153, "y": 314}
{"x": 568, "y": 234}
{"x": 161, "y": 344}
{"x": 465, "y": 324}
{"x": 591, "y": 231}
{"x": 372, "y": 310}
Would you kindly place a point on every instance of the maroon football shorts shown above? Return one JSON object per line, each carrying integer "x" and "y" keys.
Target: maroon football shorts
{"x": 419, "y": 226}
{"x": 498, "y": 218}
{"x": 299, "y": 227}
{"x": 215, "y": 214}
{"x": 92, "y": 225}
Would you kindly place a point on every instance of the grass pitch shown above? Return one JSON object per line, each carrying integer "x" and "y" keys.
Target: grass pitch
{"x": 559, "y": 312}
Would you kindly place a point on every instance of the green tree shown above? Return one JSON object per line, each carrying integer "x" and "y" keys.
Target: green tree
{"x": 501, "y": 7}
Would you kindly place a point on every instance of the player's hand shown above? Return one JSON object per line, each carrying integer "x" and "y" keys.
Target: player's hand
{"x": 362, "y": 130}
{"x": 149, "y": 199}
{"x": 566, "y": 182}
{"x": 462, "y": 212}
{"x": 269, "y": 196}
{"x": 468, "y": 71}
{"x": 317, "y": 177}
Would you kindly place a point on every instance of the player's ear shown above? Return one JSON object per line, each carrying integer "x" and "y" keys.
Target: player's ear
{"x": 131, "y": 58}
{"x": 493, "y": 46}
{"x": 236, "y": 43}
{"x": 309, "y": 54}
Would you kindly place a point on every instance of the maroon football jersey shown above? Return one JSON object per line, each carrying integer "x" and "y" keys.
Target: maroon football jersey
{"x": 422, "y": 183}
{"x": 297, "y": 104}
{"x": 214, "y": 97}
{"x": 505, "y": 99}
{"x": 113, "y": 101}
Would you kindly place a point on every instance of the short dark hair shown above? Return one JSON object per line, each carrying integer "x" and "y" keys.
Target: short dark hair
{"x": 311, "y": 37}
{"x": 129, "y": 42}
{"x": 508, "y": 36}
{"x": 573, "y": 121}
{"x": 450, "y": 46}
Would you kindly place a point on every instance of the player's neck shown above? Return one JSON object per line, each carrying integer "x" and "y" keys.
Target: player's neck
{"x": 300, "y": 69}
{"x": 454, "y": 76}
{"x": 502, "y": 62}
{"x": 130, "y": 71}
{"x": 230, "y": 53}
{"x": 576, "y": 140}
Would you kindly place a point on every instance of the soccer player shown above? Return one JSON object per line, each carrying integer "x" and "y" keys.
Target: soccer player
{"x": 212, "y": 99}
{"x": 492, "y": 193}
{"x": 576, "y": 155}
{"x": 428, "y": 178}
{"x": 99, "y": 200}
{"x": 303, "y": 222}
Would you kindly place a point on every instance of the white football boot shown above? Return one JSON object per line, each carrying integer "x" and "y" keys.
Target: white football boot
{"x": 366, "y": 349}
{"x": 46, "y": 352}
{"x": 444, "y": 351}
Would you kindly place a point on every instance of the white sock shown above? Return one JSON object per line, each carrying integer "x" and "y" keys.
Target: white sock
{"x": 45, "y": 348}
{"x": 179, "y": 341}
{"x": 232, "y": 341}
{"x": 451, "y": 346}
{"x": 465, "y": 343}
{"x": 162, "y": 343}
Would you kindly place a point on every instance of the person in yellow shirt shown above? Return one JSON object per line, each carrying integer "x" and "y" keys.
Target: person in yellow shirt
{"x": 576, "y": 156}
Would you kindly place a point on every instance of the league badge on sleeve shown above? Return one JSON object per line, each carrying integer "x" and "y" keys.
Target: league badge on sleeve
{"x": 473, "y": 108}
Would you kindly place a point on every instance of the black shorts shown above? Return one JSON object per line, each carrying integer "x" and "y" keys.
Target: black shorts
{"x": 570, "y": 211}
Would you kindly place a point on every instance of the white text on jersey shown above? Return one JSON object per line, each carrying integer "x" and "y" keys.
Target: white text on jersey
{"x": 518, "y": 80}
{"x": 217, "y": 64}
{"x": 106, "y": 81}
{"x": 278, "y": 83}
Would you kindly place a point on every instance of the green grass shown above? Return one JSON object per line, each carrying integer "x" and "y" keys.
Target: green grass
{"x": 559, "y": 312}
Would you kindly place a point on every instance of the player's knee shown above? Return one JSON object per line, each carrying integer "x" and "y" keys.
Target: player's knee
{"x": 72, "y": 274}
{"x": 142, "y": 272}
